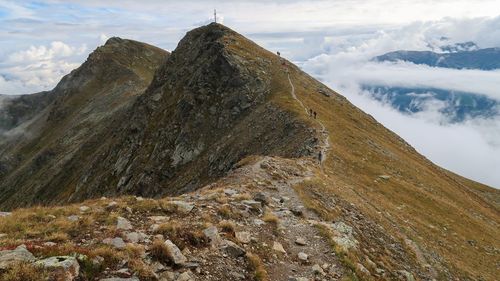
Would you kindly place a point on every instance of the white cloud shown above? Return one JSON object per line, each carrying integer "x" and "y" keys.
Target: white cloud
{"x": 38, "y": 68}
{"x": 470, "y": 148}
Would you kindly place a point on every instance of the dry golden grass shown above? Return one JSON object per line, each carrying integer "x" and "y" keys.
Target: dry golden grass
{"x": 24, "y": 272}
{"x": 227, "y": 226}
{"x": 271, "y": 218}
{"x": 160, "y": 251}
{"x": 257, "y": 266}
{"x": 170, "y": 229}
{"x": 226, "y": 212}
{"x": 142, "y": 270}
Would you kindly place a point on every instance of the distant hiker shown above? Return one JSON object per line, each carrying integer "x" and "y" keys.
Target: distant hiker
{"x": 314, "y": 114}
{"x": 320, "y": 156}
{"x": 278, "y": 53}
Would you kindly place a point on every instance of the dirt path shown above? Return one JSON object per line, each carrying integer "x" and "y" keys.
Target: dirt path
{"x": 326, "y": 135}
{"x": 280, "y": 179}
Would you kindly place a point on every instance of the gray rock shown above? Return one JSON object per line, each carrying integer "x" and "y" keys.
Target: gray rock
{"x": 84, "y": 209}
{"x": 300, "y": 241}
{"x": 123, "y": 224}
{"x": 182, "y": 206}
{"x": 384, "y": 177}
{"x": 73, "y": 218}
{"x": 302, "y": 256}
{"x": 237, "y": 276}
{"x": 19, "y": 254}
{"x": 256, "y": 205}
{"x": 175, "y": 253}
{"x": 186, "y": 276}
{"x": 61, "y": 267}
{"x": 243, "y": 237}
{"x": 232, "y": 249}
{"x": 278, "y": 247}
{"x": 213, "y": 234}
{"x": 135, "y": 237}
{"x": 116, "y": 242}
{"x": 230, "y": 192}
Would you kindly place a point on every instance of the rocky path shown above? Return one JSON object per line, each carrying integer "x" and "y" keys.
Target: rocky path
{"x": 306, "y": 254}
{"x": 326, "y": 135}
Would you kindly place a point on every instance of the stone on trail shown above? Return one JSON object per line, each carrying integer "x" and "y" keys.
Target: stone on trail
{"x": 302, "y": 256}
{"x": 64, "y": 268}
{"x": 300, "y": 241}
{"x": 278, "y": 247}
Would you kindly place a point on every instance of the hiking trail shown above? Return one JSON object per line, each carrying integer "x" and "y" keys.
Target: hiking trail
{"x": 326, "y": 141}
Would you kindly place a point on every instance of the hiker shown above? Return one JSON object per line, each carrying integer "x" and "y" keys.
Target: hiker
{"x": 278, "y": 53}
{"x": 320, "y": 156}
{"x": 315, "y": 114}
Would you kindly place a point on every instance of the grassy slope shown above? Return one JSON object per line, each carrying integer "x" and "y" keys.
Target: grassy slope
{"x": 436, "y": 209}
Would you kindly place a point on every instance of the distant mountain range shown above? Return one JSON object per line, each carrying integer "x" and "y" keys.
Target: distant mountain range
{"x": 458, "y": 105}
{"x": 484, "y": 59}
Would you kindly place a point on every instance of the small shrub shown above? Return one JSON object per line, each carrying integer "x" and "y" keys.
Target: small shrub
{"x": 170, "y": 229}
{"x": 142, "y": 270}
{"x": 269, "y": 217}
{"x": 159, "y": 251}
{"x": 225, "y": 211}
{"x": 257, "y": 266}
{"x": 227, "y": 226}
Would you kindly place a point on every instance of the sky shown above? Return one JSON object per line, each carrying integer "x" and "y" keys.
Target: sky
{"x": 40, "y": 41}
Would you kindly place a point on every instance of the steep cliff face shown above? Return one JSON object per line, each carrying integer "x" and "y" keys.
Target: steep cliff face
{"x": 44, "y": 133}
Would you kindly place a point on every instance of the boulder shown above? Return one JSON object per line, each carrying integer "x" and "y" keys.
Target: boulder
{"x": 64, "y": 268}
{"x": 175, "y": 254}
{"x": 19, "y": 254}
{"x": 84, "y": 209}
{"x": 318, "y": 270}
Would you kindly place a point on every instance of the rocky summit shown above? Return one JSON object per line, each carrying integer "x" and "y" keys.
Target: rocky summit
{"x": 224, "y": 161}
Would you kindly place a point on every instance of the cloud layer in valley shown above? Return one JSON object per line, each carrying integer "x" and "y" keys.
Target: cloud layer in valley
{"x": 40, "y": 41}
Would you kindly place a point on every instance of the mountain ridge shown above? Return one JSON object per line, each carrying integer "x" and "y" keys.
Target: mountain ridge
{"x": 223, "y": 113}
